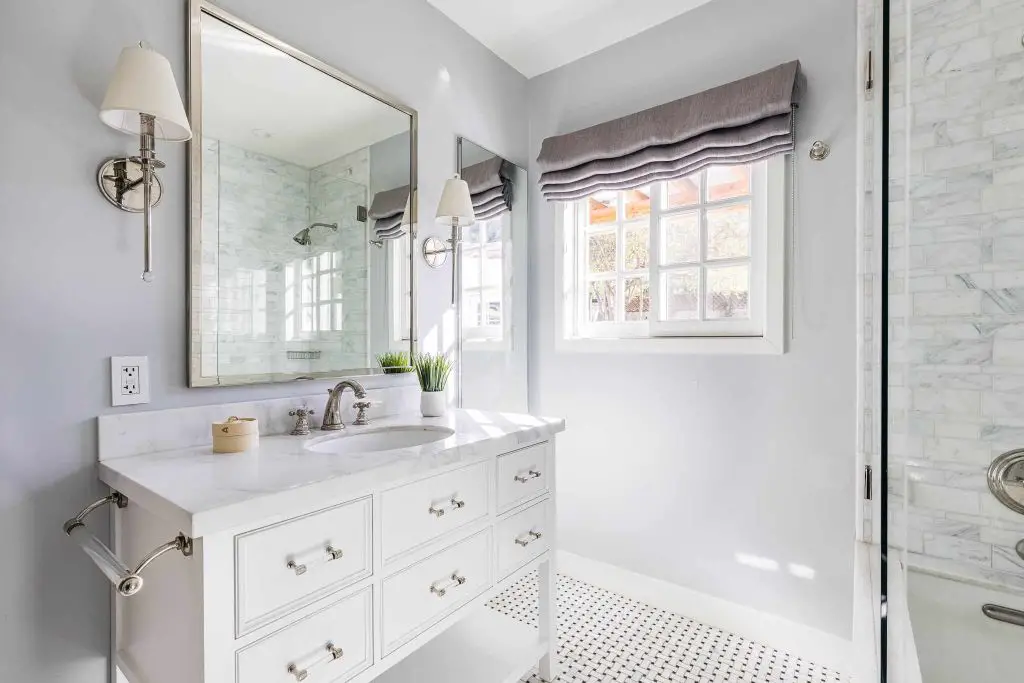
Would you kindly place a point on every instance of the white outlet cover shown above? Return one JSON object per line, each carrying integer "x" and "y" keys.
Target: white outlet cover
{"x": 129, "y": 380}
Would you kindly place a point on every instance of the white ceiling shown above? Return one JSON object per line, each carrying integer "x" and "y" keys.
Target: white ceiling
{"x": 535, "y": 36}
{"x": 261, "y": 99}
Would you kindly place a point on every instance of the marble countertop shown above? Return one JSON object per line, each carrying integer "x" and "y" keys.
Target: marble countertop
{"x": 202, "y": 493}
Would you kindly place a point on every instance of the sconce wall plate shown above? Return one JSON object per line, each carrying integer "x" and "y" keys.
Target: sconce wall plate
{"x": 120, "y": 182}
{"x": 435, "y": 252}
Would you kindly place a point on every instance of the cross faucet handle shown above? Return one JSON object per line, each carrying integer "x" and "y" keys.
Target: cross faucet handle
{"x": 361, "y": 407}
{"x": 301, "y": 416}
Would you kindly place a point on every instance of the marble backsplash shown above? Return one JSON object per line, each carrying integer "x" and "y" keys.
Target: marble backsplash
{"x": 122, "y": 435}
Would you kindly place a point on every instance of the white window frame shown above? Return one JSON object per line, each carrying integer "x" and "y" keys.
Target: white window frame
{"x": 399, "y": 292}
{"x": 720, "y": 337}
{"x": 493, "y": 337}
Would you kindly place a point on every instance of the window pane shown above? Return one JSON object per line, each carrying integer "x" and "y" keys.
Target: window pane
{"x": 471, "y": 268}
{"x": 638, "y": 203}
{"x": 680, "y": 238}
{"x": 682, "y": 192}
{"x": 337, "y": 260}
{"x": 492, "y": 265}
{"x": 338, "y": 316}
{"x": 602, "y": 208}
{"x": 471, "y": 235}
{"x": 471, "y": 309}
{"x": 325, "y": 317}
{"x": 602, "y": 301}
{"x": 725, "y": 182}
{"x": 638, "y": 299}
{"x": 492, "y": 307}
{"x": 681, "y": 294}
{"x": 307, "y": 291}
{"x": 325, "y": 261}
{"x": 307, "y": 318}
{"x": 338, "y": 285}
{"x": 601, "y": 248}
{"x": 308, "y": 266}
{"x": 729, "y": 232}
{"x": 493, "y": 228}
{"x": 728, "y": 292}
{"x": 325, "y": 287}
{"x": 638, "y": 246}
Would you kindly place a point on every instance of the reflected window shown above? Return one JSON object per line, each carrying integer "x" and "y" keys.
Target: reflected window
{"x": 314, "y": 289}
{"x": 483, "y": 279}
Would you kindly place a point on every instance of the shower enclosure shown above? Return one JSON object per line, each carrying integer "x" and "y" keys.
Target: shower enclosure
{"x": 943, "y": 127}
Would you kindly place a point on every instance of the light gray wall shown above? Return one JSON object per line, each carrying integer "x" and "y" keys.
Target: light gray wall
{"x": 70, "y": 293}
{"x": 672, "y": 464}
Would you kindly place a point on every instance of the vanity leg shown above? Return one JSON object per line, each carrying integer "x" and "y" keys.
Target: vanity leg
{"x": 548, "y": 584}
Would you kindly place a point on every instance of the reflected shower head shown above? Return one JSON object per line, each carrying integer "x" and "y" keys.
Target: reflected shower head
{"x": 302, "y": 237}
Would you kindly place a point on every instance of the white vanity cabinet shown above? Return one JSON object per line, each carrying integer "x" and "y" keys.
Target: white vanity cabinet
{"x": 339, "y": 580}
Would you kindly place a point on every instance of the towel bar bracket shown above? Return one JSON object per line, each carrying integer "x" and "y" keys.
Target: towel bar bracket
{"x": 127, "y": 581}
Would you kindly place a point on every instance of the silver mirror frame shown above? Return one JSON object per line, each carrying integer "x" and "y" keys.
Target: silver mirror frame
{"x": 196, "y": 9}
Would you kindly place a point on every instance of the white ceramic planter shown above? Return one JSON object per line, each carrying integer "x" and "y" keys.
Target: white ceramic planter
{"x": 433, "y": 403}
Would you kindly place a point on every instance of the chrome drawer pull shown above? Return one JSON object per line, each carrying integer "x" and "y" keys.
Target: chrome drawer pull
{"x": 523, "y": 478}
{"x": 330, "y": 552}
{"x": 441, "y": 588}
{"x": 453, "y": 504}
{"x": 333, "y": 652}
{"x": 529, "y": 538}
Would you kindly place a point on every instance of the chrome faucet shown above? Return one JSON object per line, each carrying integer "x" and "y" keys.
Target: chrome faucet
{"x": 332, "y": 412}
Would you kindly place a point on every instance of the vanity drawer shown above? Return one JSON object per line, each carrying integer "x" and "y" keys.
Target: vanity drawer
{"x": 333, "y": 644}
{"x": 421, "y": 511}
{"x": 523, "y": 475}
{"x": 417, "y": 597}
{"x": 285, "y": 566}
{"x": 522, "y": 537}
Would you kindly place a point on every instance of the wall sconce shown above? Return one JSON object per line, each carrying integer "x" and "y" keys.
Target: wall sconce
{"x": 456, "y": 209}
{"x": 142, "y": 99}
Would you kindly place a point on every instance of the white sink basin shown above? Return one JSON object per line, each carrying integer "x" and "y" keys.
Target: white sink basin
{"x": 383, "y": 439}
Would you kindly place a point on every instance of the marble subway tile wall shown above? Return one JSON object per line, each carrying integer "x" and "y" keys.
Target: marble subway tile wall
{"x": 956, "y": 281}
{"x": 253, "y": 270}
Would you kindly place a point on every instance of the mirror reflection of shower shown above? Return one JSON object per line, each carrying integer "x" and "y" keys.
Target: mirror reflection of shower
{"x": 304, "y": 238}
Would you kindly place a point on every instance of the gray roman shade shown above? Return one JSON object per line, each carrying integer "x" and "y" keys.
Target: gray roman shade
{"x": 386, "y": 212}
{"x": 490, "y": 187}
{"x": 738, "y": 123}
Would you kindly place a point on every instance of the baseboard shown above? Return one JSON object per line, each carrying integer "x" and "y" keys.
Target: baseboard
{"x": 761, "y": 627}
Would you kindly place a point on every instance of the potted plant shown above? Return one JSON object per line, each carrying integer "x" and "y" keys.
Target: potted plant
{"x": 433, "y": 371}
{"x": 394, "y": 362}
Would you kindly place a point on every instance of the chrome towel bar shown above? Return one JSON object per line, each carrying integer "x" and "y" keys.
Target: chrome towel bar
{"x": 1004, "y": 614}
{"x": 127, "y": 581}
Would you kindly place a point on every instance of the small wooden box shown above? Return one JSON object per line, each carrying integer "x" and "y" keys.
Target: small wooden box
{"x": 235, "y": 435}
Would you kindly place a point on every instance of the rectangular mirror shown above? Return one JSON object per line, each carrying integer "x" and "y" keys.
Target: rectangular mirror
{"x": 492, "y": 348}
{"x": 302, "y": 197}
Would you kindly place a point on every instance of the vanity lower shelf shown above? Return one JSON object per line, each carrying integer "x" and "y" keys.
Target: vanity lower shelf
{"x": 486, "y": 646}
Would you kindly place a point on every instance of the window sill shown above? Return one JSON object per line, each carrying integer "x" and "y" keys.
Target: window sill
{"x": 721, "y": 346}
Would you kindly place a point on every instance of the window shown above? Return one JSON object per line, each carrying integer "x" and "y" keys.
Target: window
{"x": 313, "y": 296}
{"x": 697, "y": 258}
{"x": 483, "y": 275}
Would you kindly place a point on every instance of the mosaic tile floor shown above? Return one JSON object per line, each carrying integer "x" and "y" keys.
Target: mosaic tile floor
{"x": 606, "y": 637}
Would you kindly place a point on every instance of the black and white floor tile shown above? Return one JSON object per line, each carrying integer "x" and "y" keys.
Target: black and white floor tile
{"x": 605, "y": 637}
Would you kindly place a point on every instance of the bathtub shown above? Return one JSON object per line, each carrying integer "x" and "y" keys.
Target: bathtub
{"x": 953, "y": 641}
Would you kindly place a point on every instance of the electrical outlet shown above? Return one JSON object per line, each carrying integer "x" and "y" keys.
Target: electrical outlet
{"x": 129, "y": 380}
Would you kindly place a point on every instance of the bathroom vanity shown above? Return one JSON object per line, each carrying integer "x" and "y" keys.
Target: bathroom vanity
{"x": 366, "y": 554}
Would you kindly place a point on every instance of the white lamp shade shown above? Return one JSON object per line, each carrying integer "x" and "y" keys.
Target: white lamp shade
{"x": 456, "y": 203}
{"x": 407, "y": 214}
{"x": 144, "y": 84}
